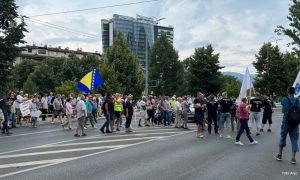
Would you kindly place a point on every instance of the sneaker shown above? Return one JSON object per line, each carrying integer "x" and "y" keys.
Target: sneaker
{"x": 84, "y": 127}
{"x": 278, "y": 157}
{"x": 198, "y": 135}
{"x": 239, "y": 143}
{"x": 76, "y": 135}
{"x": 228, "y": 136}
{"x": 221, "y": 136}
{"x": 293, "y": 161}
{"x": 201, "y": 135}
{"x": 140, "y": 125}
{"x": 95, "y": 127}
{"x": 254, "y": 142}
{"x": 70, "y": 129}
{"x": 83, "y": 134}
{"x": 52, "y": 122}
{"x": 176, "y": 126}
{"x": 257, "y": 134}
{"x": 261, "y": 130}
{"x": 118, "y": 129}
{"x": 269, "y": 130}
{"x": 108, "y": 132}
{"x": 147, "y": 125}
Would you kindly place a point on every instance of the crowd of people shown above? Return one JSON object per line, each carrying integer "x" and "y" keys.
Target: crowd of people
{"x": 220, "y": 114}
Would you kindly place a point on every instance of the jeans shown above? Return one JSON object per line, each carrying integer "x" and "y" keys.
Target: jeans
{"x": 244, "y": 126}
{"x": 225, "y": 118}
{"x": 106, "y": 124}
{"x": 166, "y": 117}
{"x": 233, "y": 119}
{"x": 13, "y": 119}
{"x": 128, "y": 122}
{"x": 5, "y": 122}
{"x": 294, "y": 135}
{"x": 94, "y": 113}
{"x": 212, "y": 117}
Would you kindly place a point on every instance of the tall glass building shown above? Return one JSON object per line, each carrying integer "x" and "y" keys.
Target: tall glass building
{"x": 140, "y": 33}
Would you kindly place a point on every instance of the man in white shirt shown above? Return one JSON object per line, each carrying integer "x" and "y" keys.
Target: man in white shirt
{"x": 20, "y": 99}
{"x": 44, "y": 102}
{"x": 81, "y": 115}
{"x": 178, "y": 120}
{"x": 143, "y": 112}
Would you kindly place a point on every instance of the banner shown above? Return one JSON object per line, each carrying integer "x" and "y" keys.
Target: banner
{"x": 296, "y": 85}
{"x": 25, "y": 109}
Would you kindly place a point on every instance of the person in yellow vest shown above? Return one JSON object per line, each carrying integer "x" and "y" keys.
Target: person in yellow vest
{"x": 118, "y": 107}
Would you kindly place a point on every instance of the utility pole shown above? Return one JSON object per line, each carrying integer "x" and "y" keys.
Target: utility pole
{"x": 147, "y": 71}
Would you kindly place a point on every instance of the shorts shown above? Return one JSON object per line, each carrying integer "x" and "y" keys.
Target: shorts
{"x": 118, "y": 114}
{"x": 267, "y": 117}
{"x": 199, "y": 119}
{"x": 225, "y": 118}
{"x": 81, "y": 121}
{"x": 57, "y": 112}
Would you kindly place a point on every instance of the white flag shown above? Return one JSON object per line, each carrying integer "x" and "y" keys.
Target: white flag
{"x": 296, "y": 85}
{"x": 246, "y": 85}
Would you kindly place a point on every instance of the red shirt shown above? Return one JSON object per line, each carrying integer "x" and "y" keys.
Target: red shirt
{"x": 242, "y": 111}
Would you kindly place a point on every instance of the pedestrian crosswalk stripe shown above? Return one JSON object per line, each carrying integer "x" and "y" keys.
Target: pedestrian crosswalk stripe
{"x": 104, "y": 141}
{"x": 33, "y": 163}
{"x": 61, "y": 151}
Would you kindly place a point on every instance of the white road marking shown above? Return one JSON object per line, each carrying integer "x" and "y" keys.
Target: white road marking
{"x": 88, "y": 155}
{"x": 91, "y": 137}
{"x": 104, "y": 141}
{"x": 32, "y": 163}
{"x": 60, "y": 151}
{"x": 25, "y": 134}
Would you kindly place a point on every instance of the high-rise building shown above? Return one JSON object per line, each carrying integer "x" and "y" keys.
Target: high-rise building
{"x": 140, "y": 33}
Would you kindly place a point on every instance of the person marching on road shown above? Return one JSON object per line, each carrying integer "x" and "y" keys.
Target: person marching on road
{"x": 267, "y": 114}
{"x": 118, "y": 110}
{"x": 212, "y": 108}
{"x": 244, "y": 117}
{"x": 225, "y": 105}
{"x": 178, "y": 119}
{"x": 143, "y": 112}
{"x": 81, "y": 114}
{"x": 107, "y": 110}
{"x": 199, "y": 105}
{"x": 255, "y": 113}
{"x": 69, "y": 113}
{"x": 128, "y": 113}
{"x": 89, "y": 107}
{"x": 286, "y": 128}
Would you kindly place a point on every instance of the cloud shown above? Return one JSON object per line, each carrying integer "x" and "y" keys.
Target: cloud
{"x": 235, "y": 28}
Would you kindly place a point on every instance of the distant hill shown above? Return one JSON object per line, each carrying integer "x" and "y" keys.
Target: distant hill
{"x": 239, "y": 76}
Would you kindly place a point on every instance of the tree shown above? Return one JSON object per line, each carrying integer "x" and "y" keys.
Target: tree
{"x": 126, "y": 66}
{"x": 30, "y": 86}
{"x": 294, "y": 30}
{"x": 44, "y": 78}
{"x": 203, "y": 71}
{"x": 67, "y": 87}
{"x": 11, "y": 34}
{"x": 111, "y": 83}
{"x": 22, "y": 71}
{"x": 231, "y": 85}
{"x": 276, "y": 71}
{"x": 165, "y": 68}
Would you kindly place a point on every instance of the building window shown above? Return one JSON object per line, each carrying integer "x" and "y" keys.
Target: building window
{"x": 29, "y": 50}
{"x": 42, "y": 51}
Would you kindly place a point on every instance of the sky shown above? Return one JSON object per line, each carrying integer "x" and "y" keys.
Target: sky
{"x": 235, "y": 28}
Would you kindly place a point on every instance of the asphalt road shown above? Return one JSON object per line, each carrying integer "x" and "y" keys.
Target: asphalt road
{"x": 49, "y": 152}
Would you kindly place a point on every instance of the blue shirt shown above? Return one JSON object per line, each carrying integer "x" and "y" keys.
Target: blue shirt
{"x": 89, "y": 106}
{"x": 286, "y": 105}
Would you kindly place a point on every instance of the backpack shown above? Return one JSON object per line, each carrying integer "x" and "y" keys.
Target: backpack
{"x": 293, "y": 115}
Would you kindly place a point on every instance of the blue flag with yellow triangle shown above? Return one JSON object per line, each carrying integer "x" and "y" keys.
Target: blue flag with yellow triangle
{"x": 90, "y": 81}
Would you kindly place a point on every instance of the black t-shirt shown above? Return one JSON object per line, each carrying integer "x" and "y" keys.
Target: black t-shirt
{"x": 129, "y": 106}
{"x": 225, "y": 105}
{"x": 212, "y": 107}
{"x": 4, "y": 103}
{"x": 233, "y": 109}
{"x": 256, "y": 105}
{"x": 267, "y": 104}
{"x": 199, "y": 110}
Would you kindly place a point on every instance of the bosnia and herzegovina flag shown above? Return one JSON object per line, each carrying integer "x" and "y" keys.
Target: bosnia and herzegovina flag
{"x": 90, "y": 81}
